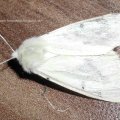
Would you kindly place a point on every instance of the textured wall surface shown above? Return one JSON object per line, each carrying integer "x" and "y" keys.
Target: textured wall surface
{"x": 21, "y": 95}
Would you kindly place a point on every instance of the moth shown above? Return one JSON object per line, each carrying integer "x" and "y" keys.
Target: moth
{"x": 79, "y": 57}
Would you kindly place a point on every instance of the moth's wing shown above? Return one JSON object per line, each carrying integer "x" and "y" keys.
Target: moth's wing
{"x": 60, "y": 56}
{"x": 96, "y": 77}
{"x": 93, "y": 36}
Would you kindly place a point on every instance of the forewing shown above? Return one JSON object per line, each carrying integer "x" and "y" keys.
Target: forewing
{"x": 79, "y": 57}
{"x": 88, "y": 37}
{"x": 81, "y": 61}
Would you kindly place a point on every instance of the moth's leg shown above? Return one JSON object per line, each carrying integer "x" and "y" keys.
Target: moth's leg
{"x": 44, "y": 90}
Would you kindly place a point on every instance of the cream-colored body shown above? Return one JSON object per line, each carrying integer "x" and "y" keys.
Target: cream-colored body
{"x": 79, "y": 57}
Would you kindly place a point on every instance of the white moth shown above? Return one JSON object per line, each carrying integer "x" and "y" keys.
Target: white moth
{"x": 79, "y": 57}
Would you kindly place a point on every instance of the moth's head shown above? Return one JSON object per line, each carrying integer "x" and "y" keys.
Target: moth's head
{"x": 15, "y": 54}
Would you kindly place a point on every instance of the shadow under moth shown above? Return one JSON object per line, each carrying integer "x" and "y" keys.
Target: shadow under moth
{"x": 79, "y": 57}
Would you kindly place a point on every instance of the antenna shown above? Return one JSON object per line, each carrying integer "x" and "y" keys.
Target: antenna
{"x": 6, "y": 42}
{"x": 6, "y": 61}
{"x": 10, "y": 48}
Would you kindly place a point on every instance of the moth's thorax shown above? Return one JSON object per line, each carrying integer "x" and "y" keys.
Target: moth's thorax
{"x": 32, "y": 54}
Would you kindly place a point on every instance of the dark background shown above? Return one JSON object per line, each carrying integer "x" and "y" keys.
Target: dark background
{"x": 21, "y": 95}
